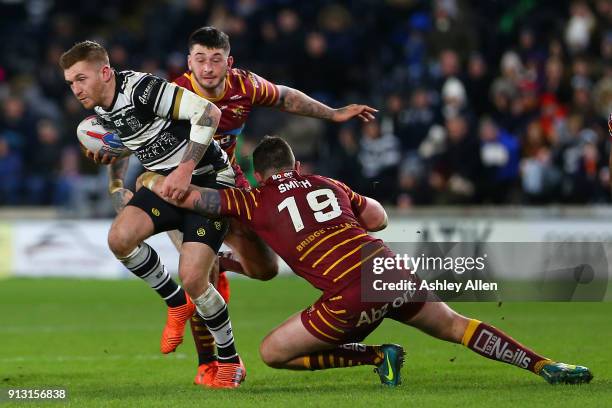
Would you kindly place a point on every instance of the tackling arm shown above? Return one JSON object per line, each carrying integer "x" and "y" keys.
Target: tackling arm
{"x": 294, "y": 101}
{"x": 373, "y": 217}
{"x": 205, "y": 201}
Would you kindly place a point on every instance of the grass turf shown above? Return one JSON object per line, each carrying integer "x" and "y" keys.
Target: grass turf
{"x": 99, "y": 340}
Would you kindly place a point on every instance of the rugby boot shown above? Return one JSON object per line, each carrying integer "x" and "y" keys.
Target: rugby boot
{"x": 206, "y": 373}
{"x": 561, "y": 373}
{"x": 229, "y": 375}
{"x": 389, "y": 370}
{"x": 173, "y": 332}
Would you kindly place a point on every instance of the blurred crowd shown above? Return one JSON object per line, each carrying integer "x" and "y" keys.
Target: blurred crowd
{"x": 502, "y": 102}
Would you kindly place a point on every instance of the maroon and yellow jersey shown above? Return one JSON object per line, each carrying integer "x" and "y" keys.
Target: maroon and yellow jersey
{"x": 311, "y": 222}
{"x": 243, "y": 90}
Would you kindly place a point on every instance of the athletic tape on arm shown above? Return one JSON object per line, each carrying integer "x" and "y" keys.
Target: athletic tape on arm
{"x": 194, "y": 108}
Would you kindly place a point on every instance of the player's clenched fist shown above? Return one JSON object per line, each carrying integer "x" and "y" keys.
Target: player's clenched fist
{"x": 176, "y": 184}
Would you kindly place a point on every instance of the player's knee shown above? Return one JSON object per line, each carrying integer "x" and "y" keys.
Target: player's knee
{"x": 192, "y": 283}
{"x": 269, "y": 356}
{"x": 120, "y": 241}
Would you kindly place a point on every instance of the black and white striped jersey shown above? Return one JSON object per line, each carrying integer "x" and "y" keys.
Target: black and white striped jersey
{"x": 141, "y": 115}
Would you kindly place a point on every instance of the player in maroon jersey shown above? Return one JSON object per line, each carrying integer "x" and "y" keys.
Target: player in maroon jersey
{"x": 320, "y": 227}
{"x": 235, "y": 92}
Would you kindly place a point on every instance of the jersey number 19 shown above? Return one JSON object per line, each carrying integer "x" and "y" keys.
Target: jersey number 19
{"x": 319, "y": 208}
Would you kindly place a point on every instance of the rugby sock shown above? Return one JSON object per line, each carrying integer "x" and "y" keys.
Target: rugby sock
{"x": 213, "y": 310}
{"x": 346, "y": 355}
{"x": 204, "y": 341}
{"x": 492, "y": 343}
{"x": 145, "y": 263}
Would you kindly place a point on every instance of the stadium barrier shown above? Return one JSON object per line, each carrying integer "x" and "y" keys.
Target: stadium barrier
{"x": 45, "y": 245}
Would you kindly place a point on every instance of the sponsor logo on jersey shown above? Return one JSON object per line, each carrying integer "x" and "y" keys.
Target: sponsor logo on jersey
{"x": 146, "y": 95}
{"x": 235, "y": 97}
{"x": 237, "y": 111}
{"x": 492, "y": 345}
{"x": 165, "y": 142}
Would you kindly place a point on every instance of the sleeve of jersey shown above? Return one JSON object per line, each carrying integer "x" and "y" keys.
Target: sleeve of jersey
{"x": 155, "y": 95}
{"x": 358, "y": 202}
{"x": 239, "y": 203}
{"x": 263, "y": 92}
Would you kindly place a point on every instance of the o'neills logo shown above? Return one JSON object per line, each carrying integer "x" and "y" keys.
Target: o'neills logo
{"x": 492, "y": 345}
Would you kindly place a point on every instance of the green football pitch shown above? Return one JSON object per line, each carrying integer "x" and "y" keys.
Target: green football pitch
{"x": 99, "y": 341}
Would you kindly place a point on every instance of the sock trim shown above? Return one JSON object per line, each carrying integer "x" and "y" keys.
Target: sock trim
{"x": 131, "y": 254}
{"x": 469, "y": 331}
{"x": 173, "y": 293}
{"x": 540, "y": 364}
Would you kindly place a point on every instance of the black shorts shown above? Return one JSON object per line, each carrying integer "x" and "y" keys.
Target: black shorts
{"x": 167, "y": 217}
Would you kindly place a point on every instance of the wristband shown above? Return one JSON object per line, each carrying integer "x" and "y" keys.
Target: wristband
{"x": 115, "y": 185}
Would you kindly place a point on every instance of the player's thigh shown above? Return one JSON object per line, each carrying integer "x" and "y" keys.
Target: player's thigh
{"x": 256, "y": 257}
{"x": 290, "y": 340}
{"x": 131, "y": 226}
{"x": 202, "y": 238}
{"x": 439, "y": 320}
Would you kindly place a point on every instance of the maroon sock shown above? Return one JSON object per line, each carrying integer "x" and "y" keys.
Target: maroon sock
{"x": 492, "y": 343}
{"x": 346, "y": 355}
{"x": 204, "y": 342}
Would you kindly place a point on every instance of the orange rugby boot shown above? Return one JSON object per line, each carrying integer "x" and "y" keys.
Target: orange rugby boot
{"x": 229, "y": 375}
{"x": 206, "y": 373}
{"x": 173, "y": 332}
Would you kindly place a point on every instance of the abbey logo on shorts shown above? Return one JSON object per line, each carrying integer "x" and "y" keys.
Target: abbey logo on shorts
{"x": 218, "y": 225}
{"x": 201, "y": 232}
{"x": 155, "y": 211}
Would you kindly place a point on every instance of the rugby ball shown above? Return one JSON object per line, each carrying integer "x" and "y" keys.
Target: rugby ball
{"x": 95, "y": 138}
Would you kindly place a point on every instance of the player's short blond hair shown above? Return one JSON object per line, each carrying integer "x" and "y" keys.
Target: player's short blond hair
{"x": 84, "y": 51}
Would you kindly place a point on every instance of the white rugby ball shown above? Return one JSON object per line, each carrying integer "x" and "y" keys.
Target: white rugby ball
{"x": 95, "y": 138}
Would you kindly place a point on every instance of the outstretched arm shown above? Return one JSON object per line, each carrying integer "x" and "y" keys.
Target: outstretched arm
{"x": 205, "y": 201}
{"x": 373, "y": 217}
{"x": 294, "y": 101}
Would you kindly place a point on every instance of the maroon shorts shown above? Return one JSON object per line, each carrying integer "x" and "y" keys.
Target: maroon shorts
{"x": 343, "y": 318}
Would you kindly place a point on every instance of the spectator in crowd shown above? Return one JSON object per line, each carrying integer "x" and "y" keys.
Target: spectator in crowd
{"x": 10, "y": 174}
{"x": 539, "y": 72}
{"x": 379, "y": 156}
{"x": 456, "y": 170}
{"x": 499, "y": 154}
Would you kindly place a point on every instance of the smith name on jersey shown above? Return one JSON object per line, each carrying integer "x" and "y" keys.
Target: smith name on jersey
{"x": 141, "y": 115}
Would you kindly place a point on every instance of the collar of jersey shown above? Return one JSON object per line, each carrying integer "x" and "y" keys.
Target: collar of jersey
{"x": 196, "y": 88}
{"x": 270, "y": 180}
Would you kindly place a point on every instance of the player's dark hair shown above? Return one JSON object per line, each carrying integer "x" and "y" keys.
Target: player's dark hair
{"x": 209, "y": 37}
{"x": 272, "y": 153}
{"x": 84, "y": 51}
